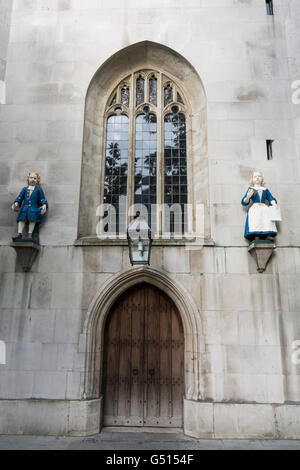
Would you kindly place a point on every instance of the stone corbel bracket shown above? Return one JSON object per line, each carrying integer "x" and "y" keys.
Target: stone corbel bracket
{"x": 26, "y": 253}
{"x": 261, "y": 252}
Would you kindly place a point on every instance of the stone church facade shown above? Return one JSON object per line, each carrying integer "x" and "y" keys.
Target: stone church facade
{"x": 199, "y": 339}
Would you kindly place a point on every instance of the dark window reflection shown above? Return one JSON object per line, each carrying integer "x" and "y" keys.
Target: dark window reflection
{"x": 140, "y": 91}
{"x": 168, "y": 95}
{"x": 145, "y": 164}
{"x": 116, "y": 166}
{"x": 153, "y": 90}
{"x": 175, "y": 171}
{"x": 125, "y": 95}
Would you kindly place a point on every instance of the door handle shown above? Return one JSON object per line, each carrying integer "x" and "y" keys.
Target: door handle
{"x": 151, "y": 371}
{"x": 135, "y": 371}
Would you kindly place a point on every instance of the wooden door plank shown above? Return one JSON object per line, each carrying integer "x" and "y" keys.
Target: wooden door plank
{"x": 136, "y": 306}
{"x": 124, "y": 349}
{"x": 124, "y": 366}
{"x": 165, "y": 359}
{"x": 152, "y": 352}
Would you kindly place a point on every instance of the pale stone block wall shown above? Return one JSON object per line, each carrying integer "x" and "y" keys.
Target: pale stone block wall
{"x": 249, "y": 320}
{"x": 247, "y": 62}
{"x": 5, "y": 20}
{"x": 74, "y": 418}
{"x": 240, "y": 421}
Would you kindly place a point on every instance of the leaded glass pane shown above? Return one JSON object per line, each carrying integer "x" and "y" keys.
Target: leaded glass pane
{"x": 168, "y": 95}
{"x": 116, "y": 168}
{"x": 146, "y": 165}
{"x": 153, "y": 90}
{"x": 140, "y": 91}
{"x": 125, "y": 95}
{"x": 269, "y": 4}
{"x": 175, "y": 173}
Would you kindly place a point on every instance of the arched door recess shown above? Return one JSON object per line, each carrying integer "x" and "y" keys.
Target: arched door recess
{"x": 92, "y": 337}
{"x": 143, "y": 371}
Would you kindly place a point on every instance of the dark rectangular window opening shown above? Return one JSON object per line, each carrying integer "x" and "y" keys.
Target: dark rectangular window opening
{"x": 270, "y": 149}
{"x": 269, "y": 5}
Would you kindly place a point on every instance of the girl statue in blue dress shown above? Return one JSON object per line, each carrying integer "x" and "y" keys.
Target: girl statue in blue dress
{"x": 259, "y": 222}
{"x": 33, "y": 206}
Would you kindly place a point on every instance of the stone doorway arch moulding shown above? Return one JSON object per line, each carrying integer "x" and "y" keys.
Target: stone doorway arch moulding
{"x": 92, "y": 338}
{"x": 139, "y": 56}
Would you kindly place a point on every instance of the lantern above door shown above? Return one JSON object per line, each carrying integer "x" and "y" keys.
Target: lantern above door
{"x": 139, "y": 241}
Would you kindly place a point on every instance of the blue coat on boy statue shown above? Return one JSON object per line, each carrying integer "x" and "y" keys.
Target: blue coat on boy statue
{"x": 32, "y": 202}
{"x": 33, "y": 207}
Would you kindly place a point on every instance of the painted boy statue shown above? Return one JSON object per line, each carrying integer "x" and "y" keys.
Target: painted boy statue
{"x": 259, "y": 223}
{"x": 33, "y": 206}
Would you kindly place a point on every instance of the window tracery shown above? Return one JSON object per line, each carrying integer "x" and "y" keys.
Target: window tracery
{"x": 146, "y": 150}
{"x": 140, "y": 90}
{"x": 125, "y": 95}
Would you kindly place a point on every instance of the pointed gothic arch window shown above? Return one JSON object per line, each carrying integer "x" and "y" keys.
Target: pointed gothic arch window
{"x": 146, "y": 152}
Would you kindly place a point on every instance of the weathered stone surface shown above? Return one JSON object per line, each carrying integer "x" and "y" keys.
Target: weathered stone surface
{"x": 292, "y": 384}
{"x": 67, "y": 325}
{"x": 253, "y": 359}
{"x": 50, "y": 385}
{"x": 288, "y": 420}
{"x": 50, "y": 417}
{"x": 66, "y": 290}
{"x": 239, "y": 292}
{"x": 15, "y": 384}
{"x": 261, "y": 328}
{"x": 245, "y": 421}
{"x": 242, "y": 421}
{"x": 198, "y": 419}
{"x": 220, "y": 327}
{"x": 246, "y": 323}
{"x": 176, "y": 260}
{"x": 33, "y": 417}
{"x": 73, "y": 385}
{"x": 85, "y": 417}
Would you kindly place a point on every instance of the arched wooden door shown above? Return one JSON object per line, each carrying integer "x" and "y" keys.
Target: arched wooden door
{"x": 143, "y": 377}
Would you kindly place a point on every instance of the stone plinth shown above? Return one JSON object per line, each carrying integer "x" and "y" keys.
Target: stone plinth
{"x": 50, "y": 417}
{"x": 241, "y": 421}
{"x": 261, "y": 251}
{"x": 26, "y": 253}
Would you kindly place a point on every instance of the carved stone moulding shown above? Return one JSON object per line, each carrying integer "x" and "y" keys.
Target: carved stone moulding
{"x": 26, "y": 253}
{"x": 261, "y": 252}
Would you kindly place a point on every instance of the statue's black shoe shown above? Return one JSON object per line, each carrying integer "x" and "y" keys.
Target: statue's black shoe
{"x": 18, "y": 238}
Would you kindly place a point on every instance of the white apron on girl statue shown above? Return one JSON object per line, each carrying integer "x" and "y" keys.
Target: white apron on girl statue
{"x": 259, "y": 221}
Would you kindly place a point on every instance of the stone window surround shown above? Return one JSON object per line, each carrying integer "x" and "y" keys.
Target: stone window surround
{"x": 141, "y": 56}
